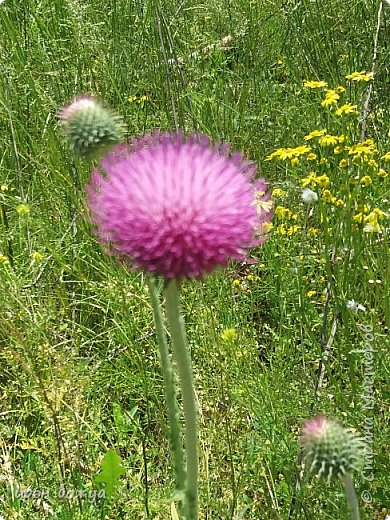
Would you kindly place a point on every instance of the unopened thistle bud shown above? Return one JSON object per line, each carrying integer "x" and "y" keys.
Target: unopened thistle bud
{"x": 329, "y": 450}
{"x": 90, "y": 127}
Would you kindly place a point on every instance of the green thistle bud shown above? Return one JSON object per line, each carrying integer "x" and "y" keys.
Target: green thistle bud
{"x": 329, "y": 450}
{"x": 90, "y": 127}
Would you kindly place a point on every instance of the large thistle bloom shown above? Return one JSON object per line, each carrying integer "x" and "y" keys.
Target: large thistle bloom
{"x": 178, "y": 206}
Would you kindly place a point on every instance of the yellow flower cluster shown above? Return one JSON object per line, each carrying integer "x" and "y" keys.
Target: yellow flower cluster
{"x": 371, "y": 221}
{"x": 36, "y": 256}
{"x": 366, "y": 180}
{"x": 285, "y": 213}
{"x": 330, "y": 140}
{"x": 331, "y": 199}
{"x": 285, "y": 154}
{"x": 314, "y": 84}
{"x": 363, "y": 149}
{"x": 278, "y": 193}
{"x": 331, "y": 98}
{"x": 283, "y": 229}
{"x": 138, "y": 99}
{"x": 348, "y": 108}
{"x": 315, "y": 133}
{"x": 360, "y": 76}
{"x": 315, "y": 180}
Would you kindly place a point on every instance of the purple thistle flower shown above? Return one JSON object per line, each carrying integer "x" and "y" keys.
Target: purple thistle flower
{"x": 178, "y": 206}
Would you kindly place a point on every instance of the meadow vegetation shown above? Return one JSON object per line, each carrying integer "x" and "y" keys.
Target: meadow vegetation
{"x": 273, "y": 341}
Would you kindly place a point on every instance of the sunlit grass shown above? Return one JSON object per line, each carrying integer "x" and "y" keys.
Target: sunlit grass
{"x": 79, "y": 365}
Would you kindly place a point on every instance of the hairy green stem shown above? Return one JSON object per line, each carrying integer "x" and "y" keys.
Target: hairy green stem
{"x": 183, "y": 361}
{"x": 170, "y": 389}
{"x": 351, "y": 497}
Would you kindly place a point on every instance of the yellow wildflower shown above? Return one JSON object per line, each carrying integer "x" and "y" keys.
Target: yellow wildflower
{"x": 315, "y": 133}
{"x": 3, "y": 259}
{"x": 372, "y": 163}
{"x": 267, "y": 227}
{"x": 282, "y": 212}
{"x": 236, "y": 283}
{"x": 310, "y": 294}
{"x": 329, "y": 140}
{"x": 295, "y": 161}
{"x": 37, "y": 257}
{"x": 277, "y": 192}
{"x": 310, "y": 180}
{"x": 327, "y": 196}
{"x": 293, "y": 229}
{"x": 359, "y": 217}
{"x": 23, "y": 209}
{"x": 4, "y": 187}
{"x": 348, "y": 108}
{"x": 314, "y": 232}
{"x": 365, "y": 148}
{"x": 143, "y": 98}
{"x": 379, "y": 212}
{"x": 339, "y": 202}
{"x": 288, "y": 153}
{"x": 314, "y": 84}
{"x": 360, "y": 76}
{"x": 382, "y": 173}
{"x": 386, "y": 157}
{"x": 322, "y": 180}
{"x": 372, "y": 221}
{"x": 282, "y": 229}
{"x": 331, "y": 98}
{"x": 366, "y": 180}
{"x": 338, "y": 150}
{"x": 311, "y": 157}
{"x": 340, "y": 89}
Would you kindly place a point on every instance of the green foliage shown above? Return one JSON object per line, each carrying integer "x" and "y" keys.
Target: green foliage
{"x": 79, "y": 369}
{"x": 111, "y": 469}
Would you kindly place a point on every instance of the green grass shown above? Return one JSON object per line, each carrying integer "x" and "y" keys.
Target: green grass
{"x": 79, "y": 365}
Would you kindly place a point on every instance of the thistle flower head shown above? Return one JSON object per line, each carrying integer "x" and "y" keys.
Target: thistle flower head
{"x": 89, "y": 126}
{"x": 329, "y": 450}
{"x": 178, "y": 206}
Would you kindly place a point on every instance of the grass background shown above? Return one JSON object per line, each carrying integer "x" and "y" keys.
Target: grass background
{"x": 79, "y": 366}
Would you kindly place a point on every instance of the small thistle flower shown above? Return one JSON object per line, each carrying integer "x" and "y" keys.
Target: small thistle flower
{"x": 89, "y": 126}
{"x": 329, "y": 450}
{"x": 178, "y": 206}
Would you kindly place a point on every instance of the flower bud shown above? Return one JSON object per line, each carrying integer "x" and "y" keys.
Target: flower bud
{"x": 329, "y": 450}
{"x": 90, "y": 127}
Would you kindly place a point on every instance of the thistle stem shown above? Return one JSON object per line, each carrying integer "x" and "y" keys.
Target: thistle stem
{"x": 351, "y": 497}
{"x": 183, "y": 360}
{"x": 170, "y": 389}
